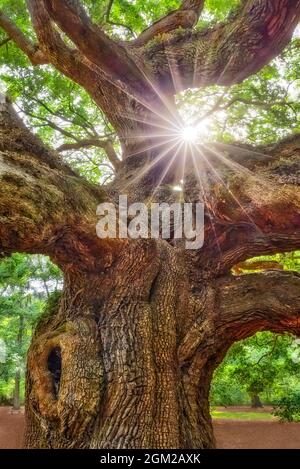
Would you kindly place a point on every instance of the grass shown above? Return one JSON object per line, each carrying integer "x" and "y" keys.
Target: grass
{"x": 220, "y": 414}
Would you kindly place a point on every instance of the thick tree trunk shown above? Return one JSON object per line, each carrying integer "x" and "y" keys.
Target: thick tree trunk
{"x": 123, "y": 377}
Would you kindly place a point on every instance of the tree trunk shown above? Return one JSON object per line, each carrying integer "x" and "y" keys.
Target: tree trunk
{"x": 255, "y": 401}
{"x": 123, "y": 380}
{"x": 17, "y": 404}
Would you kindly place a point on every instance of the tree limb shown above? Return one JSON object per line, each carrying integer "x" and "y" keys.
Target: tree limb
{"x": 34, "y": 183}
{"x": 249, "y": 102}
{"x": 64, "y": 58}
{"x": 106, "y": 145}
{"x": 185, "y": 17}
{"x": 5, "y": 41}
{"x": 258, "y": 302}
{"x": 33, "y": 51}
{"x": 253, "y": 202}
{"x": 108, "y": 10}
{"x": 93, "y": 43}
{"x": 230, "y": 51}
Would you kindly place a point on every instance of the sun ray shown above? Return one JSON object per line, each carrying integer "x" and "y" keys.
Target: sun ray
{"x": 229, "y": 191}
{"x": 165, "y": 172}
{"x": 150, "y": 166}
{"x": 204, "y": 198}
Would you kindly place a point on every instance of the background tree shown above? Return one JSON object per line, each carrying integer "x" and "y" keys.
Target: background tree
{"x": 126, "y": 357}
{"x": 266, "y": 364}
{"x": 257, "y": 371}
{"x": 25, "y": 285}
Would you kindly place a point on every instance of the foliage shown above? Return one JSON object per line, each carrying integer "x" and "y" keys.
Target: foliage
{"x": 261, "y": 365}
{"x": 287, "y": 408}
{"x": 263, "y": 108}
{"x": 25, "y": 284}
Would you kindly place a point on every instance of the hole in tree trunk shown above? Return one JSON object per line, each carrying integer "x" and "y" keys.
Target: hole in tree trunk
{"x": 54, "y": 366}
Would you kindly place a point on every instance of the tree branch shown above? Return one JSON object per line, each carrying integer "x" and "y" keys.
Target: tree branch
{"x": 34, "y": 182}
{"x": 185, "y": 17}
{"x": 229, "y": 52}
{"x": 67, "y": 60}
{"x": 33, "y": 51}
{"x": 252, "y": 202}
{"x": 93, "y": 43}
{"x": 106, "y": 145}
{"x": 258, "y": 302}
{"x": 108, "y": 10}
{"x": 249, "y": 102}
{"x": 5, "y": 41}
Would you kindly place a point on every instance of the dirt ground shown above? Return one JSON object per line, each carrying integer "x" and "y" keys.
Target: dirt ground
{"x": 11, "y": 428}
{"x": 229, "y": 433}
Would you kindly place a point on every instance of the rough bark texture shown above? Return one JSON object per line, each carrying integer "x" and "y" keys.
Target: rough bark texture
{"x": 125, "y": 357}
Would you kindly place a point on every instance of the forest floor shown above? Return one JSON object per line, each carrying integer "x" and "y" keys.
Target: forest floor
{"x": 241, "y": 427}
{"x": 11, "y": 428}
{"x": 230, "y": 432}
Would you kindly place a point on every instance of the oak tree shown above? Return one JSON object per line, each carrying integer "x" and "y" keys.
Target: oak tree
{"x": 125, "y": 357}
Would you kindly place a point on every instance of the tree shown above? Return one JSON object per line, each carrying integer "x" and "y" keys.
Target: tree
{"x": 258, "y": 369}
{"x": 24, "y": 286}
{"x": 125, "y": 358}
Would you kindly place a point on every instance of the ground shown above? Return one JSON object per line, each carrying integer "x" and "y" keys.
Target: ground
{"x": 11, "y": 428}
{"x": 261, "y": 432}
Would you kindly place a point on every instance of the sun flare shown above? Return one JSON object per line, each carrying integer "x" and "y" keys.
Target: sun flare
{"x": 189, "y": 134}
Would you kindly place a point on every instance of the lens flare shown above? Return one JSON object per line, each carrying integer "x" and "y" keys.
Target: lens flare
{"x": 189, "y": 134}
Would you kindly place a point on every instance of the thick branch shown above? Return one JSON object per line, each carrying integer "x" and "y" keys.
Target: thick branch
{"x": 185, "y": 17}
{"x": 257, "y": 302}
{"x": 229, "y": 52}
{"x": 110, "y": 56}
{"x": 66, "y": 60}
{"x": 34, "y": 183}
{"x": 252, "y": 201}
{"x": 33, "y": 52}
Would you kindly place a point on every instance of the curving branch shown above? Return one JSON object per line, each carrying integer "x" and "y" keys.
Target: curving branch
{"x": 5, "y": 41}
{"x": 34, "y": 182}
{"x": 185, "y": 17}
{"x": 93, "y": 43}
{"x": 33, "y": 51}
{"x": 106, "y": 145}
{"x": 230, "y": 51}
{"x": 254, "y": 202}
{"x": 64, "y": 58}
{"x": 258, "y": 302}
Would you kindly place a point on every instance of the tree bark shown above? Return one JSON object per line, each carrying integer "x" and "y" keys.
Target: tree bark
{"x": 126, "y": 358}
{"x": 124, "y": 381}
